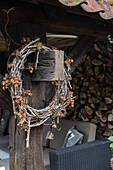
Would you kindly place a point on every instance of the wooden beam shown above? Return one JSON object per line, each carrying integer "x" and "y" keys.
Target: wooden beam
{"x": 78, "y": 25}
{"x": 54, "y": 19}
{"x": 74, "y": 9}
{"x": 5, "y": 100}
{"x": 22, "y": 158}
{"x": 77, "y": 51}
{"x": 23, "y": 12}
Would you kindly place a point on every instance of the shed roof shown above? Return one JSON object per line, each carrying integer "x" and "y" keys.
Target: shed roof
{"x": 104, "y": 7}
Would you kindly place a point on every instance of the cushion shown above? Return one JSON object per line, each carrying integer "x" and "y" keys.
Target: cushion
{"x": 86, "y": 128}
{"x": 73, "y": 137}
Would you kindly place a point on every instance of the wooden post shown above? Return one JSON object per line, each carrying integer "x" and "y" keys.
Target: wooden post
{"x": 28, "y": 158}
{"x": 22, "y": 158}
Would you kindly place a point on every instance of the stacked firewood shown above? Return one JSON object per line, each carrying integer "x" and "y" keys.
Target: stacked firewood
{"x": 93, "y": 86}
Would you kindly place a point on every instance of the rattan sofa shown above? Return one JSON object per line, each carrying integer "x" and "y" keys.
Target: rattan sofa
{"x": 91, "y": 155}
{"x": 86, "y": 128}
{"x": 88, "y": 156}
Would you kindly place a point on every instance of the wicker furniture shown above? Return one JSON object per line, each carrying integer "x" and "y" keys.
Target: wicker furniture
{"x": 87, "y": 129}
{"x": 88, "y": 156}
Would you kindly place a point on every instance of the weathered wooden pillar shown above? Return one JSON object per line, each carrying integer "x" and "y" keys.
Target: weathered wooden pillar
{"x": 22, "y": 158}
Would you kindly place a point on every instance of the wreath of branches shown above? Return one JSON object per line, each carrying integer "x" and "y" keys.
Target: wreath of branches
{"x": 29, "y": 116}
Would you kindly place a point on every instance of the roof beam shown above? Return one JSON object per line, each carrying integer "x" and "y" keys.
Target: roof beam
{"x": 55, "y": 20}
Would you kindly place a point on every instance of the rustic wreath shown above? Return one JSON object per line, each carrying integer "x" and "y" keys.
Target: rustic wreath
{"x": 31, "y": 117}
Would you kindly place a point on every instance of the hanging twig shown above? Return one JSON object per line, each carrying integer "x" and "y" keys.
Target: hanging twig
{"x": 5, "y": 27}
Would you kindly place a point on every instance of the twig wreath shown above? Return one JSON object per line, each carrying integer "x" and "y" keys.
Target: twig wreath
{"x": 31, "y": 117}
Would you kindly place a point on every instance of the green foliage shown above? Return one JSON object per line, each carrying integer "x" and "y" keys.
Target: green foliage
{"x": 71, "y": 3}
{"x": 111, "y": 149}
{"x": 76, "y": 2}
{"x": 110, "y": 138}
{"x": 111, "y": 145}
{"x": 111, "y": 3}
{"x": 110, "y": 39}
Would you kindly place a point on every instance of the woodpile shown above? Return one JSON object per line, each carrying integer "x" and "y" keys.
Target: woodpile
{"x": 93, "y": 86}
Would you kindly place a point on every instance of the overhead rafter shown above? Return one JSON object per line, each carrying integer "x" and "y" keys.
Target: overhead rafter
{"x": 54, "y": 19}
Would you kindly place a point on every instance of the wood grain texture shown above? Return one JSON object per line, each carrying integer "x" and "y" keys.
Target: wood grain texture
{"x": 56, "y": 19}
{"x": 5, "y": 99}
{"x": 34, "y": 154}
{"x": 50, "y": 67}
{"x": 77, "y": 51}
{"x": 16, "y": 145}
{"x": 22, "y": 158}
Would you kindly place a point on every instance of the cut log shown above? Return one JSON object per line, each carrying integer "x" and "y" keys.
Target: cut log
{"x": 90, "y": 100}
{"x": 96, "y": 62}
{"x": 99, "y": 56}
{"x": 109, "y": 89}
{"x": 80, "y": 69}
{"x": 88, "y": 110}
{"x": 110, "y": 126}
{"x": 103, "y": 107}
{"x": 93, "y": 106}
{"x": 87, "y": 64}
{"x": 98, "y": 93}
{"x": 104, "y": 67}
{"x": 108, "y": 132}
{"x": 83, "y": 95}
{"x": 102, "y": 124}
{"x": 85, "y": 83}
{"x": 90, "y": 72}
{"x": 93, "y": 91}
{"x": 95, "y": 100}
{"x": 96, "y": 47}
{"x": 97, "y": 118}
{"x": 84, "y": 119}
{"x": 103, "y": 119}
{"x": 94, "y": 121}
{"x": 73, "y": 86}
{"x": 108, "y": 100}
{"x": 101, "y": 76}
{"x": 83, "y": 101}
{"x": 91, "y": 87}
{"x": 110, "y": 117}
{"x": 98, "y": 113}
{"x": 96, "y": 71}
{"x": 75, "y": 80}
